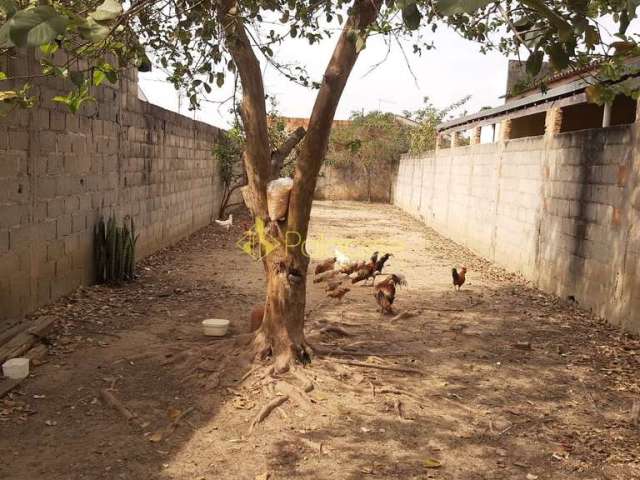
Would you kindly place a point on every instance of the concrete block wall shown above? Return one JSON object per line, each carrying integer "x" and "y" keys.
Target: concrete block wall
{"x": 59, "y": 172}
{"x": 352, "y": 183}
{"x": 563, "y": 210}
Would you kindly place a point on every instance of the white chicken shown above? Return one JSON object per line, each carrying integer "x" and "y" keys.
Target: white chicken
{"x": 341, "y": 258}
{"x": 226, "y": 223}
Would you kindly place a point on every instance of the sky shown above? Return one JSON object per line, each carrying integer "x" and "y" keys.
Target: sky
{"x": 454, "y": 69}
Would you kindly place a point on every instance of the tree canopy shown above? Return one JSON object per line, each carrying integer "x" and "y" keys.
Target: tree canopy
{"x": 186, "y": 37}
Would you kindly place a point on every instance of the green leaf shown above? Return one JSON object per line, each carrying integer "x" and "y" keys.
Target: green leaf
{"x": 9, "y": 8}
{"x": 36, "y": 26}
{"x": 3, "y": 76}
{"x": 534, "y": 63}
{"x": 452, "y": 7}
{"x": 219, "y": 79}
{"x": 108, "y": 10}
{"x": 411, "y": 16}
{"x": 98, "y": 77}
{"x": 49, "y": 48}
{"x": 92, "y": 30}
{"x": 558, "y": 56}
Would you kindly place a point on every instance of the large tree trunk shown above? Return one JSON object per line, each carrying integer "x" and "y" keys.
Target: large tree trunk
{"x": 281, "y": 334}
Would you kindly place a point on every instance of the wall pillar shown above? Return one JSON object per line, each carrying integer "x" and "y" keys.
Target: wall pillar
{"x": 455, "y": 139}
{"x": 606, "y": 115}
{"x": 553, "y": 122}
{"x": 505, "y": 130}
{"x": 475, "y": 135}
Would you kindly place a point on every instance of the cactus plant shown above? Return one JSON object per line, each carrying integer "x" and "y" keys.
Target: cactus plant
{"x": 114, "y": 250}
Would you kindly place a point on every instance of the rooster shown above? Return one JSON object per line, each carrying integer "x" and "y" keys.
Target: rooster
{"x": 325, "y": 265}
{"x": 338, "y": 292}
{"x": 458, "y": 277}
{"x": 386, "y": 292}
{"x": 381, "y": 261}
{"x": 367, "y": 271}
{"x": 226, "y": 223}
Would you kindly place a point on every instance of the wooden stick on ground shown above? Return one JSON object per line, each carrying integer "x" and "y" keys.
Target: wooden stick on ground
{"x": 111, "y": 400}
{"x": 267, "y": 409}
{"x": 380, "y": 367}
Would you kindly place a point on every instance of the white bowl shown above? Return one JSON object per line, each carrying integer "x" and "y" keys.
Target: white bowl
{"x": 16, "y": 368}
{"x": 215, "y": 327}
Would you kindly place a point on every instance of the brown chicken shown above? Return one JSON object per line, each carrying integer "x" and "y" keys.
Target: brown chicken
{"x": 325, "y": 265}
{"x": 458, "y": 277}
{"x": 352, "y": 267}
{"x": 386, "y": 292}
{"x": 256, "y": 318}
{"x": 338, "y": 293}
{"x": 367, "y": 271}
{"x": 333, "y": 284}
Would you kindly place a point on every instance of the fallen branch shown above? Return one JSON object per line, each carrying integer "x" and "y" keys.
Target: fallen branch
{"x": 266, "y": 411}
{"x": 367, "y": 353}
{"x": 335, "y": 329}
{"x": 111, "y": 400}
{"x": 380, "y": 367}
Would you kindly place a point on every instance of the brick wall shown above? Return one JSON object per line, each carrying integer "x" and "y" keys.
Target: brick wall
{"x": 564, "y": 210}
{"x": 60, "y": 172}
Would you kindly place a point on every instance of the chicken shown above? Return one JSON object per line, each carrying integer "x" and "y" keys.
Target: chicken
{"x": 381, "y": 261}
{"x": 386, "y": 292}
{"x": 333, "y": 284}
{"x": 341, "y": 258}
{"x": 367, "y": 271}
{"x": 458, "y": 277}
{"x": 226, "y": 223}
{"x": 352, "y": 267}
{"x": 325, "y": 265}
{"x": 255, "y": 321}
{"x": 338, "y": 293}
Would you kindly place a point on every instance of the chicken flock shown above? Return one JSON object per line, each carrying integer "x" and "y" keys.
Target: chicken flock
{"x": 340, "y": 271}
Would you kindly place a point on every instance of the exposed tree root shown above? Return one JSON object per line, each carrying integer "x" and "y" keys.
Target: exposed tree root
{"x": 335, "y": 329}
{"x": 294, "y": 393}
{"x": 266, "y": 410}
{"x": 380, "y": 367}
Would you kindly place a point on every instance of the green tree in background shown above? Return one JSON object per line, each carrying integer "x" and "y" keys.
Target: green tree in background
{"x": 372, "y": 142}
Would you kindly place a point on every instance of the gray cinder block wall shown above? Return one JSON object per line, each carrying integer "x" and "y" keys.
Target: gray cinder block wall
{"x": 564, "y": 210}
{"x": 59, "y": 172}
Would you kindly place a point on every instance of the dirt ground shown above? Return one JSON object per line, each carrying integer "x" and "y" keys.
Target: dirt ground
{"x": 478, "y": 407}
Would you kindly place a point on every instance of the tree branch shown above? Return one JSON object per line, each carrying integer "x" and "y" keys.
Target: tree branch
{"x": 253, "y": 109}
{"x": 316, "y": 141}
{"x": 278, "y": 156}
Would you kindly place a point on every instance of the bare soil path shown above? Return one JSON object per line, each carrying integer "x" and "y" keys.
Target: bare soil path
{"x": 484, "y": 405}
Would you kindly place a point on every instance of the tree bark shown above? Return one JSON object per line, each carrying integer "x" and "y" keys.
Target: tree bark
{"x": 278, "y": 156}
{"x": 281, "y": 334}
